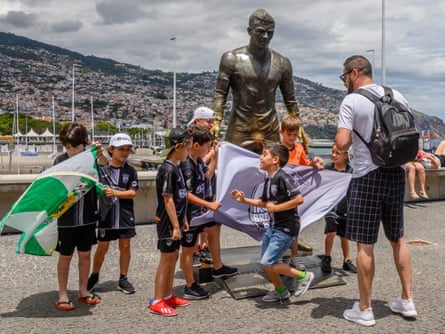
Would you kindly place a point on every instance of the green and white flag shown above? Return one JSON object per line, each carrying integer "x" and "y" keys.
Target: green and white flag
{"x": 51, "y": 194}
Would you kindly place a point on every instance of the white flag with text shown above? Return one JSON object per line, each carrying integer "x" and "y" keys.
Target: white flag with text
{"x": 238, "y": 168}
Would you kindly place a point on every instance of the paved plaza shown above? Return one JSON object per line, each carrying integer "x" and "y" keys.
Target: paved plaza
{"x": 29, "y": 288}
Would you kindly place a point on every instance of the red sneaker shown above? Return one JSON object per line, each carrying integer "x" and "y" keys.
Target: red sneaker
{"x": 162, "y": 308}
{"x": 174, "y": 301}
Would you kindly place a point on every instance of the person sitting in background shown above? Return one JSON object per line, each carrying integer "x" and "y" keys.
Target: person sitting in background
{"x": 412, "y": 168}
{"x": 440, "y": 153}
{"x": 423, "y": 160}
{"x": 429, "y": 160}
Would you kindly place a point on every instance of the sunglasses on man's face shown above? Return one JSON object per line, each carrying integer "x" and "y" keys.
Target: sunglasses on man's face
{"x": 343, "y": 76}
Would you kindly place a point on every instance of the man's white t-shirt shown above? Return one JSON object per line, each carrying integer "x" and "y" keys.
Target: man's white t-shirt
{"x": 357, "y": 112}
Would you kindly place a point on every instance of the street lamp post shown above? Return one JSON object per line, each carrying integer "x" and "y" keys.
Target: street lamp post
{"x": 92, "y": 119}
{"x": 373, "y": 60}
{"x": 72, "y": 102}
{"x": 174, "y": 82}
{"x": 54, "y": 128}
{"x": 26, "y": 132}
{"x": 383, "y": 44}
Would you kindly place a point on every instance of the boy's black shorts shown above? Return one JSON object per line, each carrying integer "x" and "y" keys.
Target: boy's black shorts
{"x": 168, "y": 245}
{"x": 335, "y": 225}
{"x": 80, "y": 237}
{"x": 114, "y": 234}
{"x": 190, "y": 237}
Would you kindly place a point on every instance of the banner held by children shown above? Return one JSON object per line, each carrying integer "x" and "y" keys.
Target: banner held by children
{"x": 238, "y": 168}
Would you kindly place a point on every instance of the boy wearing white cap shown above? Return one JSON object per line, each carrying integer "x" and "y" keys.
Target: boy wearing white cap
{"x": 116, "y": 209}
{"x": 203, "y": 116}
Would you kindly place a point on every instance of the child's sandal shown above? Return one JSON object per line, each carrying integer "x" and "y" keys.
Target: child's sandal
{"x": 64, "y": 306}
{"x": 92, "y": 299}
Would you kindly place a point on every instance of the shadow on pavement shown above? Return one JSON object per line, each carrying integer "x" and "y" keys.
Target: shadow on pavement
{"x": 334, "y": 307}
{"x": 40, "y": 305}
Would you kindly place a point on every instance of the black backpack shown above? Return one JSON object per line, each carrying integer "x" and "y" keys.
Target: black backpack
{"x": 394, "y": 139}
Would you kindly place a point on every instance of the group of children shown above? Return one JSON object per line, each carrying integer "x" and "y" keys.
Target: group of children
{"x": 183, "y": 193}
{"x": 185, "y": 188}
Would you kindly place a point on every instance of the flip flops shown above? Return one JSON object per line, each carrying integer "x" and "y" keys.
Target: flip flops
{"x": 64, "y": 306}
{"x": 423, "y": 195}
{"x": 414, "y": 195}
{"x": 92, "y": 299}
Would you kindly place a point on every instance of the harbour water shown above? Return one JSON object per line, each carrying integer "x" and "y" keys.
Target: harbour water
{"x": 320, "y": 148}
{"x": 24, "y": 164}
{"x": 142, "y": 159}
{"x": 323, "y": 152}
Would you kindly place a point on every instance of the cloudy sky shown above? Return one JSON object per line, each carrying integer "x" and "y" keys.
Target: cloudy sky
{"x": 316, "y": 35}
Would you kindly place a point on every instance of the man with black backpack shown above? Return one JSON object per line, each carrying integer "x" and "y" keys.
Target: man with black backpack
{"x": 376, "y": 193}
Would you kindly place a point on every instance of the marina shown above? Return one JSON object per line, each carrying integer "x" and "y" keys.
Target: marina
{"x": 38, "y": 158}
{"x": 35, "y": 163}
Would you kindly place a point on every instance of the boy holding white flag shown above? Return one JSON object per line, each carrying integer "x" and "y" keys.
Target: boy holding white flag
{"x": 77, "y": 226}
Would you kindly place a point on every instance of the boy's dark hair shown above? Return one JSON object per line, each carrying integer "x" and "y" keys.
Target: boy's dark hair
{"x": 280, "y": 151}
{"x": 200, "y": 135}
{"x": 73, "y": 134}
{"x": 290, "y": 123}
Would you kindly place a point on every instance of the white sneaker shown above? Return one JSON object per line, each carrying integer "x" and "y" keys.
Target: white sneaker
{"x": 274, "y": 296}
{"x": 354, "y": 314}
{"x": 304, "y": 284}
{"x": 405, "y": 307}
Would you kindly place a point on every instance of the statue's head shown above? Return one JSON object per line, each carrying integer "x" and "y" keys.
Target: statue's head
{"x": 260, "y": 17}
{"x": 261, "y": 28}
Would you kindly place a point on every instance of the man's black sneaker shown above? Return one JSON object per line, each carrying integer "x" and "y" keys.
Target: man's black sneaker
{"x": 92, "y": 281}
{"x": 349, "y": 266}
{"x": 224, "y": 272}
{"x": 326, "y": 264}
{"x": 206, "y": 257}
{"x": 125, "y": 286}
{"x": 195, "y": 292}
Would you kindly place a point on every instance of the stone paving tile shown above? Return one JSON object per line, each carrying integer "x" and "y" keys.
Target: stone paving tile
{"x": 29, "y": 288}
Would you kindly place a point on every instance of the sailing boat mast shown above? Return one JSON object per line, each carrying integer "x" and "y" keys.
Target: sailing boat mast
{"x": 17, "y": 130}
{"x": 26, "y": 132}
{"x": 54, "y": 128}
{"x": 92, "y": 119}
